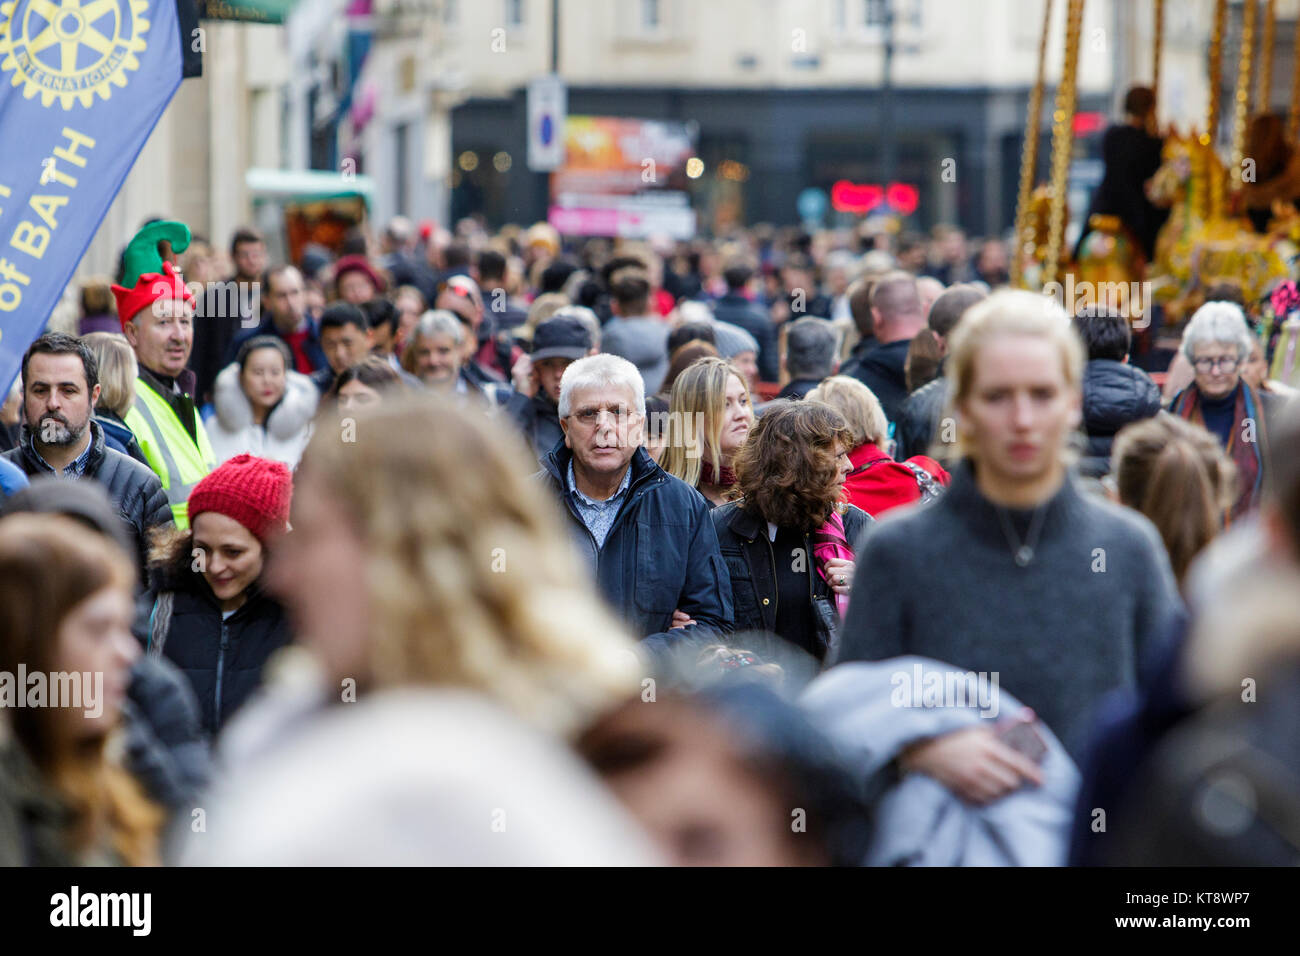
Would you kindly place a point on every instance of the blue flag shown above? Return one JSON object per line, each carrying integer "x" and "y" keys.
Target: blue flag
{"x": 82, "y": 83}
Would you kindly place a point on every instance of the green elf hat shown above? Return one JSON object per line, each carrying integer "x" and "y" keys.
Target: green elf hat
{"x": 156, "y": 243}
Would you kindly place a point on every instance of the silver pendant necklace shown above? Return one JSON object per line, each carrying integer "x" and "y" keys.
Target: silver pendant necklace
{"x": 1023, "y": 552}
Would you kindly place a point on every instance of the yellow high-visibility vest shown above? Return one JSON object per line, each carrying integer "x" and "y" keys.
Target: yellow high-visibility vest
{"x": 179, "y": 463}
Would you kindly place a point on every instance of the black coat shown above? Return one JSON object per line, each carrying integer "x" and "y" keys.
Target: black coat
{"x": 918, "y": 419}
{"x": 737, "y": 310}
{"x": 796, "y": 390}
{"x": 36, "y": 824}
{"x": 133, "y": 488}
{"x": 860, "y": 351}
{"x": 751, "y": 565}
{"x": 165, "y": 746}
{"x": 1114, "y": 395}
{"x": 216, "y": 327}
{"x": 881, "y": 370}
{"x": 222, "y": 659}
{"x": 660, "y": 555}
{"x": 1132, "y": 156}
{"x": 537, "y": 418}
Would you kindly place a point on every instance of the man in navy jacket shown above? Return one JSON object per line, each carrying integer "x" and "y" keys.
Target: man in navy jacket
{"x": 646, "y": 534}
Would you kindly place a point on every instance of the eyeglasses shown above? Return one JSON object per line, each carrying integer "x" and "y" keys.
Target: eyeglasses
{"x": 1228, "y": 364}
{"x": 589, "y": 416}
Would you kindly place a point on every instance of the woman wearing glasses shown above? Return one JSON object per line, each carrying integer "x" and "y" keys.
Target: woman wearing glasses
{"x": 1217, "y": 343}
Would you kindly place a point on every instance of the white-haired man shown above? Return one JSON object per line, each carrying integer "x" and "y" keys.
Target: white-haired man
{"x": 647, "y": 534}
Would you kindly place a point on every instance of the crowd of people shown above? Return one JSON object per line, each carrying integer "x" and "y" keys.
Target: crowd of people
{"x": 779, "y": 549}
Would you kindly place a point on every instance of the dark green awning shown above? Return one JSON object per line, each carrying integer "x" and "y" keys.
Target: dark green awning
{"x": 246, "y": 11}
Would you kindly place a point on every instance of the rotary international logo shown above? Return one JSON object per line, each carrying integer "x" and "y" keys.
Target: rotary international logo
{"x": 71, "y": 50}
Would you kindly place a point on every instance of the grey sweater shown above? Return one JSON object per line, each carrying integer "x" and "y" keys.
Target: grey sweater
{"x": 940, "y": 581}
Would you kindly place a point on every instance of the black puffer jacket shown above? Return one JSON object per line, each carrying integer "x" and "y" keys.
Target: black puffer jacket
{"x": 221, "y": 658}
{"x": 134, "y": 489}
{"x": 1114, "y": 395}
{"x": 165, "y": 746}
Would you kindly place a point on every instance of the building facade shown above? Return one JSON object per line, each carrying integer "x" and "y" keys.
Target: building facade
{"x": 781, "y": 95}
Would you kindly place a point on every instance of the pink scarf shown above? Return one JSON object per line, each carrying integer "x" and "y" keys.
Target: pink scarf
{"x": 829, "y": 542}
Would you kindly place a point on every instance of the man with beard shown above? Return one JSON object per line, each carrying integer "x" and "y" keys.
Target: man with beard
{"x": 60, "y": 437}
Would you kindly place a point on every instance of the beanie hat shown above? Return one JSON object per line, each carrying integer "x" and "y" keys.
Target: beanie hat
{"x": 253, "y": 491}
{"x": 151, "y": 287}
{"x": 358, "y": 264}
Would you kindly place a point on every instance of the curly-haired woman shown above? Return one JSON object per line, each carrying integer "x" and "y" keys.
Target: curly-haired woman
{"x": 788, "y": 541}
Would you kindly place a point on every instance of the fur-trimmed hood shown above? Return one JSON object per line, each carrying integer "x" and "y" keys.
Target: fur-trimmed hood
{"x": 287, "y": 419}
{"x": 171, "y": 560}
{"x": 171, "y": 565}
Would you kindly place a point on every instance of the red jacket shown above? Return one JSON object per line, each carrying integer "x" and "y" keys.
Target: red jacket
{"x": 878, "y": 483}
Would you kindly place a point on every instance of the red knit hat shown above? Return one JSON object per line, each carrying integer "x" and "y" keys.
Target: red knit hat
{"x": 151, "y": 287}
{"x": 358, "y": 264}
{"x": 253, "y": 491}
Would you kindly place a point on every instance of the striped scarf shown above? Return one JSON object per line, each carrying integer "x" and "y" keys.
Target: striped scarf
{"x": 1246, "y": 455}
{"x": 830, "y": 541}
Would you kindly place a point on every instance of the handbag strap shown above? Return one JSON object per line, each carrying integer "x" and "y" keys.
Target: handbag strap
{"x": 929, "y": 485}
{"x": 867, "y": 464}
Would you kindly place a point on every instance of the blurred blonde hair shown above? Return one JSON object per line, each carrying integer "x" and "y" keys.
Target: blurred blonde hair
{"x": 1178, "y": 475}
{"x": 847, "y": 337}
{"x": 543, "y": 307}
{"x": 117, "y": 370}
{"x": 473, "y": 579}
{"x": 859, "y": 406}
{"x": 1013, "y": 312}
{"x": 700, "y": 392}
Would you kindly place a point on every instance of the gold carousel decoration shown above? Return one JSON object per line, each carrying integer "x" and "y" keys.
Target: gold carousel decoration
{"x": 1204, "y": 240}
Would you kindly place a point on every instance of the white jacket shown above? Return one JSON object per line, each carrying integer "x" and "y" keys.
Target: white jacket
{"x": 231, "y": 429}
{"x": 918, "y": 821}
{"x": 434, "y": 777}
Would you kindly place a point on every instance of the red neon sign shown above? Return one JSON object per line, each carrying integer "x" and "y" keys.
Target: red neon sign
{"x": 902, "y": 198}
{"x": 1085, "y": 123}
{"x": 861, "y": 198}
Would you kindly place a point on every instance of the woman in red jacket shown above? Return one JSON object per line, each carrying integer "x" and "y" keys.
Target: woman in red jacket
{"x": 877, "y": 483}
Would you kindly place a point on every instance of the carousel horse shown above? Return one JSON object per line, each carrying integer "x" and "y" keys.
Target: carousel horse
{"x": 1199, "y": 246}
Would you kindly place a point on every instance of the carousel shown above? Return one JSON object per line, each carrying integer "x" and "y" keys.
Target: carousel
{"x": 1224, "y": 225}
